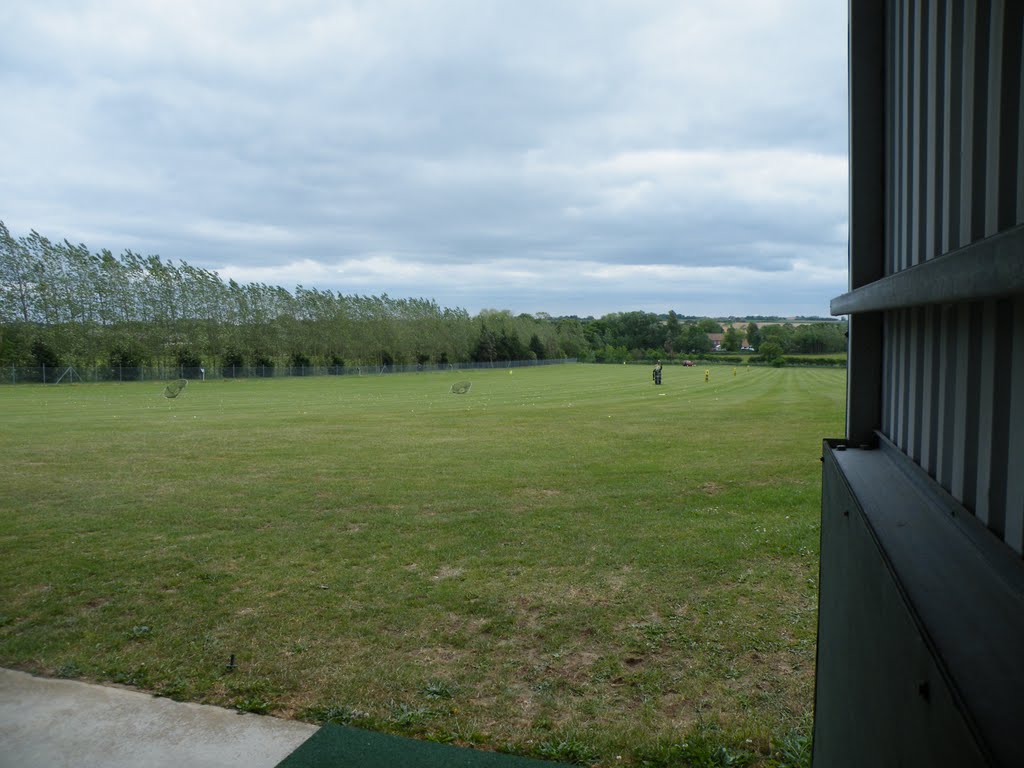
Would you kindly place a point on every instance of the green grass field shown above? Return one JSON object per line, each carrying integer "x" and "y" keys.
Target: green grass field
{"x": 565, "y": 561}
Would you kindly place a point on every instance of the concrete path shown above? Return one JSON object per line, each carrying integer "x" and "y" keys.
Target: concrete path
{"x": 56, "y": 723}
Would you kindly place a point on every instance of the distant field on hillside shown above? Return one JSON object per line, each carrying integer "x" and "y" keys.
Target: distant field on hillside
{"x": 564, "y": 561}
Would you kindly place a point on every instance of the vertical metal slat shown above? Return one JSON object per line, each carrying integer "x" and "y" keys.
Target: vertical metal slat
{"x": 960, "y": 378}
{"x": 1014, "y": 526}
{"x": 1020, "y": 120}
{"x": 904, "y": 117}
{"x": 978, "y": 178}
{"x": 932, "y": 414}
{"x": 947, "y": 397}
{"x": 994, "y": 33}
{"x": 916, "y": 194}
{"x": 984, "y": 375}
{"x": 899, "y": 372}
{"x": 952, "y": 127}
{"x": 967, "y": 60}
{"x": 913, "y": 396}
{"x": 891, "y": 149}
{"x": 1011, "y": 129}
{"x": 972, "y": 397}
{"x": 936, "y": 123}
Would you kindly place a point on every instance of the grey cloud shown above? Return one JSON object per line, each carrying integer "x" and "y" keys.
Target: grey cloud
{"x": 442, "y": 132}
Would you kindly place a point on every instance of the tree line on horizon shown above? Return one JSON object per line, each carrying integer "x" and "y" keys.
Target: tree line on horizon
{"x": 63, "y": 304}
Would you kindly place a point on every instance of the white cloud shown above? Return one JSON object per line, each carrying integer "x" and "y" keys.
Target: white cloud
{"x": 242, "y": 232}
{"x": 776, "y": 177}
{"x": 617, "y": 287}
{"x": 304, "y": 272}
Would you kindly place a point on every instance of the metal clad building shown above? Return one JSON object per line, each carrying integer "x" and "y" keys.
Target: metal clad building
{"x": 921, "y": 623}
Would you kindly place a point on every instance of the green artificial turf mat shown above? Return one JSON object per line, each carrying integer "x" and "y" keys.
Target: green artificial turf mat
{"x": 339, "y": 746}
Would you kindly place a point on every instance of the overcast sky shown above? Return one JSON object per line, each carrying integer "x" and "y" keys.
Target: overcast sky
{"x": 560, "y": 156}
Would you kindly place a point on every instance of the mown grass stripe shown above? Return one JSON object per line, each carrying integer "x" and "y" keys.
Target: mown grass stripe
{"x": 573, "y": 553}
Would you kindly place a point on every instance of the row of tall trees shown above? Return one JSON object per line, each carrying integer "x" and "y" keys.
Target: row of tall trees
{"x": 665, "y": 334}
{"x": 62, "y": 303}
{"x": 800, "y": 339}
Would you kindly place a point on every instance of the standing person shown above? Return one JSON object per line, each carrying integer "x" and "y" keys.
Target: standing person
{"x": 657, "y": 372}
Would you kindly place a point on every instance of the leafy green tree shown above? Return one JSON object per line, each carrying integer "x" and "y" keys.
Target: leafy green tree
{"x": 232, "y": 363}
{"x": 733, "y": 340}
{"x": 537, "y": 347}
{"x": 597, "y": 333}
{"x": 819, "y": 338}
{"x": 634, "y": 330}
{"x": 486, "y": 350}
{"x": 127, "y": 357}
{"x": 610, "y": 354}
{"x": 672, "y": 332}
{"x": 42, "y": 354}
{"x": 781, "y": 334}
{"x": 16, "y": 343}
{"x": 707, "y": 325}
{"x": 17, "y": 280}
{"x": 771, "y": 351}
{"x": 571, "y": 338}
{"x": 753, "y": 335}
{"x": 694, "y": 339}
{"x": 456, "y": 336}
{"x": 187, "y": 358}
{"x": 262, "y": 363}
{"x": 509, "y": 346}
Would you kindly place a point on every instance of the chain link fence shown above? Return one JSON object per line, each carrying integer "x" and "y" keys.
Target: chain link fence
{"x": 73, "y": 374}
